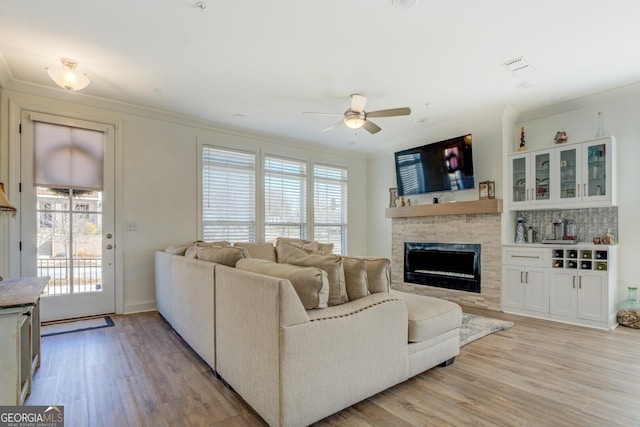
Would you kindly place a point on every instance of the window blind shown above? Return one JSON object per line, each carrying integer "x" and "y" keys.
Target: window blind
{"x": 330, "y": 206}
{"x": 228, "y": 195}
{"x": 68, "y": 157}
{"x": 285, "y": 198}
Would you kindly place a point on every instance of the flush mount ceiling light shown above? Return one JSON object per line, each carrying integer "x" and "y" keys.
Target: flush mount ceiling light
{"x": 403, "y": 4}
{"x": 68, "y": 76}
{"x": 354, "y": 120}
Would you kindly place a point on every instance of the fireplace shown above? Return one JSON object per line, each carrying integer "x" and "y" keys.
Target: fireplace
{"x": 444, "y": 265}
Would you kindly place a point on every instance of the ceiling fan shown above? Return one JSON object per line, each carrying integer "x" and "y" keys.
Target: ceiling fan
{"x": 355, "y": 117}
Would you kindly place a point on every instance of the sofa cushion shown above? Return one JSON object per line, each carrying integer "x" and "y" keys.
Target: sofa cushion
{"x": 306, "y": 244}
{"x": 378, "y": 274}
{"x": 227, "y": 256}
{"x": 310, "y": 283}
{"x": 332, "y": 264}
{"x": 355, "y": 277}
{"x": 259, "y": 250}
{"x": 429, "y": 317}
{"x": 177, "y": 249}
{"x": 195, "y": 247}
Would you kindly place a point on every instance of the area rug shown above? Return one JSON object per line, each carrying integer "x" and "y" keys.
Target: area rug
{"x": 75, "y": 326}
{"x": 475, "y": 327}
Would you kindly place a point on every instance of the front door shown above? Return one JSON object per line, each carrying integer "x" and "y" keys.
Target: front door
{"x": 67, "y": 213}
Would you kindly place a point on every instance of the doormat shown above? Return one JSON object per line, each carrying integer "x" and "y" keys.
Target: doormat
{"x": 475, "y": 327}
{"x": 75, "y": 326}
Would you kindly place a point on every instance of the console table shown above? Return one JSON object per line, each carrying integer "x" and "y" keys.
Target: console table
{"x": 19, "y": 336}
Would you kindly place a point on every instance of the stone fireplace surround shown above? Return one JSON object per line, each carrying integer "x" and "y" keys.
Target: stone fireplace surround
{"x": 479, "y": 228}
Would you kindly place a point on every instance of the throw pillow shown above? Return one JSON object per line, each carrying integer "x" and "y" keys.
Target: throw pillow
{"x": 306, "y": 244}
{"x": 193, "y": 250}
{"x": 222, "y": 244}
{"x": 259, "y": 250}
{"x": 378, "y": 274}
{"x": 310, "y": 283}
{"x": 332, "y": 264}
{"x": 227, "y": 256}
{"x": 177, "y": 249}
{"x": 355, "y": 277}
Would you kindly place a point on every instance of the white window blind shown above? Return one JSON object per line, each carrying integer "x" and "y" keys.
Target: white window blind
{"x": 330, "y": 206}
{"x": 285, "y": 198}
{"x": 228, "y": 195}
{"x": 68, "y": 157}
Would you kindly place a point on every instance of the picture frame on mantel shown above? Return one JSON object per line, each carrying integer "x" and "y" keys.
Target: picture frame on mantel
{"x": 393, "y": 196}
{"x": 487, "y": 190}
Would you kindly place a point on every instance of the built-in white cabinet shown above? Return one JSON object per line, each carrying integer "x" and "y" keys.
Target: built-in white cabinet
{"x": 572, "y": 284}
{"x": 577, "y": 175}
{"x": 525, "y": 284}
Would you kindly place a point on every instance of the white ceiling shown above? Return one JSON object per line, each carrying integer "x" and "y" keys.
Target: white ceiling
{"x": 272, "y": 60}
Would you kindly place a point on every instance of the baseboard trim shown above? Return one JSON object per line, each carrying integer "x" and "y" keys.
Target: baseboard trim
{"x": 140, "y": 306}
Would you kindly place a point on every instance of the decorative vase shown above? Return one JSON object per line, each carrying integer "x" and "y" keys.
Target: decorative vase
{"x": 600, "y": 131}
{"x": 520, "y": 233}
{"x": 632, "y": 302}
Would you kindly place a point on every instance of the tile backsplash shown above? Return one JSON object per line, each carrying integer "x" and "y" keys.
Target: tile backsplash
{"x": 591, "y": 222}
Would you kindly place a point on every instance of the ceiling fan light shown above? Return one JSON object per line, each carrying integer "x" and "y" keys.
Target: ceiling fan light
{"x": 68, "y": 76}
{"x": 354, "y": 120}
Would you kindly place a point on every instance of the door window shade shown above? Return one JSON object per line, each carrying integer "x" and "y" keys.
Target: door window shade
{"x": 68, "y": 157}
{"x": 330, "y": 206}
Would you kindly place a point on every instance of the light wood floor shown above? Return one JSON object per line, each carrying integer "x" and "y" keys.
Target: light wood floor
{"x": 539, "y": 373}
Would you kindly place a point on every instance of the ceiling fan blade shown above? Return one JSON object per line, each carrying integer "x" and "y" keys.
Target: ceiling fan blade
{"x": 358, "y": 102}
{"x": 333, "y": 126}
{"x": 390, "y": 112}
{"x": 322, "y": 114}
{"x": 371, "y": 127}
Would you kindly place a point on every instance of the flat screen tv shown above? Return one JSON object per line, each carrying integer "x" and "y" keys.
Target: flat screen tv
{"x": 440, "y": 166}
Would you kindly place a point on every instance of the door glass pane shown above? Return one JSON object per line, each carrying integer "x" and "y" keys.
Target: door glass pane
{"x": 597, "y": 179}
{"x": 69, "y": 240}
{"x": 542, "y": 176}
{"x": 519, "y": 179}
{"x": 568, "y": 174}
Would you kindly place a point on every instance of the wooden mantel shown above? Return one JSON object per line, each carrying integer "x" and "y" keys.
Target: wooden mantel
{"x": 449, "y": 208}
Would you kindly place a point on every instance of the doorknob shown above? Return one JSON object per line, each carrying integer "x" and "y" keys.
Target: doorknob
{"x": 109, "y": 246}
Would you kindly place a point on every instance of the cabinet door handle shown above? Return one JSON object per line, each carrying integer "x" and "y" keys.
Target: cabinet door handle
{"x": 574, "y": 281}
{"x": 521, "y": 275}
{"x": 527, "y": 194}
{"x": 584, "y": 190}
{"x": 526, "y": 277}
{"x": 580, "y": 282}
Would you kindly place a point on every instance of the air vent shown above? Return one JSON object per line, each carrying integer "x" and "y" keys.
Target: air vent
{"x": 519, "y": 66}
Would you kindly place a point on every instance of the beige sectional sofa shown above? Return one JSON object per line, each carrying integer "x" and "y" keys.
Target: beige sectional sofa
{"x": 295, "y": 366}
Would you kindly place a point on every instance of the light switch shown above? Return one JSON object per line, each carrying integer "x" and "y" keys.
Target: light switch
{"x": 132, "y": 226}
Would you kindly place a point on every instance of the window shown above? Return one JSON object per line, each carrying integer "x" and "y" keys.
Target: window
{"x": 228, "y": 195}
{"x": 330, "y": 206}
{"x": 285, "y": 198}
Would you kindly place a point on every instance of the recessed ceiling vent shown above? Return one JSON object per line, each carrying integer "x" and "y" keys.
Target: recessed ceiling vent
{"x": 519, "y": 66}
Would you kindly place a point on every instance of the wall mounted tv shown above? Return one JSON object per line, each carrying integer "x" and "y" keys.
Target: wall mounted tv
{"x": 440, "y": 166}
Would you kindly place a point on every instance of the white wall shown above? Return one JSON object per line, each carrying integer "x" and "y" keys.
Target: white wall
{"x": 486, "y": 129}
{"x": 157, "y": 180}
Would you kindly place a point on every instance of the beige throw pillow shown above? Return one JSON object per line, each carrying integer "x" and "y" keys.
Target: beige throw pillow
{"x": 378, "y": 274}
{"x": 227, "y": 256}
{"x": 259, "y": 250}
{"x": 310, "y": 283}
{"x": 306, "y": 244}
{"x": 332, "y": 264}
{"x": 355, "y": 276}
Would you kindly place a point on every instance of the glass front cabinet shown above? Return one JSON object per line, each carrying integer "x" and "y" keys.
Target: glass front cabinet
{"x": 531, "y": 178}
{"x": 574, "y": 175}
